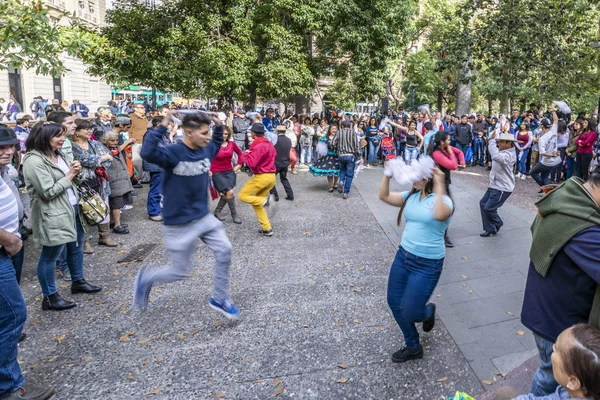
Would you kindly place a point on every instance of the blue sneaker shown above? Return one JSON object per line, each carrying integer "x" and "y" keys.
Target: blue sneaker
{"x": 226, "y": 308}
{"x": 142, "y": 292}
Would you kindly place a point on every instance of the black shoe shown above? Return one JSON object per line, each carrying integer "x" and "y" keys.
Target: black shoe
{"x": 31, "y": 392}
{"x": 266, "y": 233}
{"x": 481, "y": 165}
{"x": 541, "y": 191}
{"x": 473, "y": 164}
{"x": 488, "y": 169}
{"x": 23, "y": 337}
{"x": 83, "y": 287}
{"x": 121, "y": 230}
{"x": 487, "y": 233}
{"x": 138, "y": 186}
{"x": 448, "y": 242}
{"x": 430, "y": 323}
{"x": 289, "y": 198}
{"x": 340, "y": 188}
{"x": 276, "y": 198}
{"x": 406, "y": 354}
{"x": 55, "y": 302}
{"x": 123, "y": 225}
{"x": 498, "y": 229}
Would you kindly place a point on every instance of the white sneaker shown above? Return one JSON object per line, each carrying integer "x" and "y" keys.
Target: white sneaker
{"x": 126, "y": 207}
{"x": 523, "y": 177}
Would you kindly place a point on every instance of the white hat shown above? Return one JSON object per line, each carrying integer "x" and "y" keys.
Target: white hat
{"x": 222, "y": 116}
{"x": 508, "y": 137}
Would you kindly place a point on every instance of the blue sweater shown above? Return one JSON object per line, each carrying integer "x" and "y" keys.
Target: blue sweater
{"x": 564, "y": 297}
{"x": 185, "y": 176}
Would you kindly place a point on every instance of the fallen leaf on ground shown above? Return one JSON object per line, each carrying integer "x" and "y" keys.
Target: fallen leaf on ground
{"x": 444, "y": 379}
{"x": 334, "y": 308}
{"x": 464, "y": 276}
{"x": 144, "y": 341}
{"x": 465, "y": 257}
{"x": 328, "y": 268}
{"x": 35, "y": 365}
{"x": 379, "y": 329}
{"x": 340, "y": 324}
{"x": 153, "y": 392}
{"x": 487, "y": 382}
{"x": 53, "y": 359}
{"x": 111, "y": 350}
{"x": 277, "y": 319}
{"x": 125, "y": 337}
{"x": 276, "y": 382}
{"x": 196, "y": 332}
{"x": 100, "y": 302}
{"x": 121, "y": 252}
{"x": 219, "y": 395}
{"x": 246, "y": 359}
{"x": 305, "y": 326}
{"x": 87, "y": 359}
{"x": 470, "y": 292}
{"x": 520, "y": 333}
{"x": 130, "y": 377}
{"x": 509, "y": 313}
{"x": 61, "y": 338}
{"x": 159, "y": 359}
{"x": 356, "y": 321}
{"x": 351, "y": 284}
{"x": 278, "y": 391}
{"x": 342, "y": 380}
{"x": 180, "y": 336}
{"x": 343, "y": 366}
{"x": 438, "y": 295}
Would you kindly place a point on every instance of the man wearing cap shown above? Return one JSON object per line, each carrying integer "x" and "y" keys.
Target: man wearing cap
{"x": 480, "y": 127}
{"x": 260, "y": 158}
{"x": 347, "y": 144}
{"x": 502, "y": 181}
{"x": 283, "y": 148}
{"x": 548, "y": 151}
{"x": 13, "y": 311}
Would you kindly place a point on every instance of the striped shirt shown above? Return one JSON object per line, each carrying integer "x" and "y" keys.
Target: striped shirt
{"x": 346, "y": 142}
{"x": 9, "y": 210}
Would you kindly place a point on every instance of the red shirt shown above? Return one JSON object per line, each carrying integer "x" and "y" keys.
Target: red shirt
{"x": 222, "y": 161}
{"x": 585, "y": 142}
{"x": 261, "y": 157}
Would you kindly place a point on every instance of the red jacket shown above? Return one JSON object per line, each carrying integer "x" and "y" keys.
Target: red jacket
{"x": 448, "y": 162}
{"x": 261, "y": 156}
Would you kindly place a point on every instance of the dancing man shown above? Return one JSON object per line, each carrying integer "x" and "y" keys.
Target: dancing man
{"x": 260, "y": 157}
{"x": 186, "y": 213}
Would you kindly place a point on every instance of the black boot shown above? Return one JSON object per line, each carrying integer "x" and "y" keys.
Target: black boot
{"x": 219, "y": 208}
{"x": 55, "y": 302}
{"x": 448, "y": 242}
{"x": 83, "y": 287}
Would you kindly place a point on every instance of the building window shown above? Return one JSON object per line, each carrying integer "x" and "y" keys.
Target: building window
{"x": 81, "y": 4}
{"x": 91, "y": 7}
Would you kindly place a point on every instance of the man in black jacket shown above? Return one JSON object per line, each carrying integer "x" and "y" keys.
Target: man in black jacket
{"x": 283, "y": 147}
{"x": 463, "y": 135}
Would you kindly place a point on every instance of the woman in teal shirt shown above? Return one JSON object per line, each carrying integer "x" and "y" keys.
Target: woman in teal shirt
{"x": 420, "y": 258}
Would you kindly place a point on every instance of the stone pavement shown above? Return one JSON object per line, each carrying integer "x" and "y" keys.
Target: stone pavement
{"x": 480, "y": 292}
{"x": 315, "y": 323}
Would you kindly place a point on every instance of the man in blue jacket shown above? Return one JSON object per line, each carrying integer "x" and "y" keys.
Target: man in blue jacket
{"x": 81, "y": 109}
{"x": 564, "y": 273}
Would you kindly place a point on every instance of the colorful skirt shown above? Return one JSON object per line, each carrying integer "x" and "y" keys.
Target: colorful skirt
{"x": 326, "y": 166}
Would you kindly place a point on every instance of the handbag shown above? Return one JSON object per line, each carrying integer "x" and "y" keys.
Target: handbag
{"x": 469, "y": 155}
{"x": 92, "y": 206}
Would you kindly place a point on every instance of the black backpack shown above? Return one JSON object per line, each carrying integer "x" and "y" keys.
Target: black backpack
{"x": 34, "y": 106}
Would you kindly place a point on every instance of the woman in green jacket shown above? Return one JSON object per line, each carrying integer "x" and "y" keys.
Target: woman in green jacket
{"x": 52, "y": 188}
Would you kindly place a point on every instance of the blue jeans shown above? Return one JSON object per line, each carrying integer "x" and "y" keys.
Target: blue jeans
{"x": 17, "y": 262}
{"x": 522, "y": 162}
{"x": 478, "y": 150}
{"x": 374, "y": 150}
{"x": 571, "y": 167}
{"x": 13, "y": 314}
{"x": 410, "y": 153}
{"x": 51, "y": 254}
{"x": 305, "y": 154}
{"x": 411, "y": 282}
{"x": 346, "y": 172}
{"x": 489, "y": 204}
{"x": 544, "y": 383}
{"x": 400, "y": 146}
{"x": 541, "y": 174}
{"x": 153, "y": 204}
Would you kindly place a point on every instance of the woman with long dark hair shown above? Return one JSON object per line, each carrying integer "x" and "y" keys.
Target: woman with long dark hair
{"x": 448, "y": 159}
{"x": 223, "y": 175}
{"x": 55, "y": 215}
{"x": 571, "y": 151}
{"x": 522, "y": 145}
{"x": 374, "y": 140}
{"x": 414, "y": 142}
{"x": 585, "y": 142}
{"x": 420, "y": 258}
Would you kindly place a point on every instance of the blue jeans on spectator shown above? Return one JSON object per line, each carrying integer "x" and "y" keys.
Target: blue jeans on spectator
{"x": 17, "y": 262}
{"x": 346, "y": 172}
{"x": 374, "y": 150}
{"x": 478, "y": 150}
{"x": 410, "y": 153}
{"x": 410, "y": 285}
{"x": 541, "y": 173}
{"x": 51, "y": 254}
{"x": 153, "y": 204}
{"x": 544, "y": 383}
{"x": 463, "y": 148}
{"x": 400, "y": 147}
{"x": 13, "y": 314}
{"x": 305, "y": 154}
{"x": 489, "y": 204}
{"x": 522, "y": 161}
{"x": 571, "y": 167}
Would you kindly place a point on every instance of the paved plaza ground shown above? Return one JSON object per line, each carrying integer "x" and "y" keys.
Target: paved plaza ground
{"x": 315, "y": 322}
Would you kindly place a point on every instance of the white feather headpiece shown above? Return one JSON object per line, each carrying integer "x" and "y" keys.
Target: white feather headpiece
{"x": 416, "y": 171}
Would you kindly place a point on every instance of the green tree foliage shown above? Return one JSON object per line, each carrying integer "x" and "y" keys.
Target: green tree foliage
{"x": 421, "y": 72}
{"x": 28, "y": 39}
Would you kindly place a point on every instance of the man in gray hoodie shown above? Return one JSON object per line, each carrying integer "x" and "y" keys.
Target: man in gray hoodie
{"x": 502, "y": 182}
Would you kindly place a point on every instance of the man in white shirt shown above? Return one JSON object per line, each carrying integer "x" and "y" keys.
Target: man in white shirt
{"x": 548, "y": 150}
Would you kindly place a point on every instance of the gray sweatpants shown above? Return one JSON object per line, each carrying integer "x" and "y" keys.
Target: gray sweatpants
{"x": 180, "y": 240}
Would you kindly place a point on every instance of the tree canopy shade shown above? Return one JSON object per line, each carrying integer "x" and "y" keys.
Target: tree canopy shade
{"x": 28, "y": 39}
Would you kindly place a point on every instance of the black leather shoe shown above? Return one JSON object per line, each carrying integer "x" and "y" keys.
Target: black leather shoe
{"x": 289, "y": 198}
{"x": 55, "y": 302}
{"x": 83, "y": 287}
{"x": 430, "y": 323}
{"x": 487, "y": 233}
{"x": 406, "y": 354}
{"x": 266, "y": 233}
{"x": 31, "y": 392}
{"x": 123, "y": 225}
{"x": 23, "y": 337}
{"x": 448, "y": 242}
{"x": 488, "y": 168}
{"x": 121, "y": 230}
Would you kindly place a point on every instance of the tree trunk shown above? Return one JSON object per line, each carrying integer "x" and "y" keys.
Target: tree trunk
{"x": 440, "y": 99}
{"x": 489, "y": 106}
{"x": 303, "y": 105}
{"x": 463, "y": 89}
{"x": 504, "y": 95}
{"x": 251, "y": 97}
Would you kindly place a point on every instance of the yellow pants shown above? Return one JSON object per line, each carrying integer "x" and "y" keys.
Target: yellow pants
{"x": 255, "y": 192}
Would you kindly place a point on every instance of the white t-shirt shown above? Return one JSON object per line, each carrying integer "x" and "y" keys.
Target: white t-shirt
{"x": 65, "y": 168}
{"x": 548, "y": 143}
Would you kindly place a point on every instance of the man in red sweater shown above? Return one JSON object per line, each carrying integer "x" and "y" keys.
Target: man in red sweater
{"x": 260, "y": 158}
